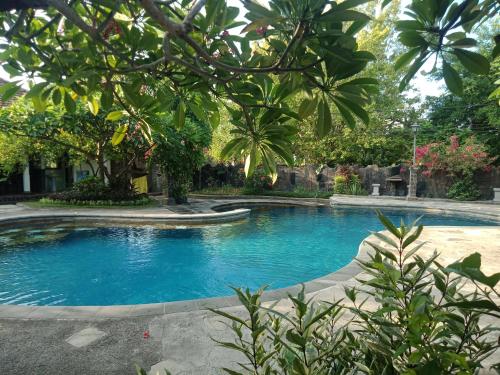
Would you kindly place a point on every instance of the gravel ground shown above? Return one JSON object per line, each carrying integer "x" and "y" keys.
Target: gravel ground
{"x": 38, "y": 347}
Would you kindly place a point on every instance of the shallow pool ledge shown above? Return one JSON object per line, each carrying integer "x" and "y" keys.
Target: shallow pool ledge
{"x": 125, "y": 216}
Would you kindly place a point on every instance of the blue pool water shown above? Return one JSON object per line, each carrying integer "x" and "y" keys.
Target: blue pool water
{"x": 62, "y": 265}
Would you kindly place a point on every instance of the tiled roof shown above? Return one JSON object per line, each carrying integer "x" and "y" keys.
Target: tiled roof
{"x": 20, "y": 93}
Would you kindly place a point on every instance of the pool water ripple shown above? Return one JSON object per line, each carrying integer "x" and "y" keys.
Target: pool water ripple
{"x": 279, "y": 247}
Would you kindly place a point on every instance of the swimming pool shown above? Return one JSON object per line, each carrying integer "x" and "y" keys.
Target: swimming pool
{"x": 73, "y": 265}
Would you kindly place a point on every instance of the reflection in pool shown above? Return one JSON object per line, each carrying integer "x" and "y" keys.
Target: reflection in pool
{"x": 279, "y": 247}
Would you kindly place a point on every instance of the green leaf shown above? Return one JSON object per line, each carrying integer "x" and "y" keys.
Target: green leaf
{"x": 106, "y": 99}
{"x": 452, "y": 79}
{"x": 69, "y": 103}
{"x": 93, "y": 105}
{"x": 307, "y": 107}
{"x": 355, "y": 108}
{"x": 214, "y": 119}
{"x": 472, "y": 61}
{"x": 56, "y": 96}
{"x": 474, "y": 305}
{"x": 180, "y": 115}
{"x": 335, "y": 15}
{"x": 10, "y": 92}
{"x": 119, "y": 134}
{"x": 38, "y": 104}
{"x": 324, "y": 121}
{"x": 345, "y": 113}
{"x": 388, "y": 224}
{"x": 114, "y": 116}
{"x": 406, "y": 58}
{"x": 470, "y": 268}
{"x": 197, "y": 110}
{"x": 412, "y": 39}
{"x": 464, "y": 43}
{"x": 36, "y": 90}
{"x": 250, "y": 162}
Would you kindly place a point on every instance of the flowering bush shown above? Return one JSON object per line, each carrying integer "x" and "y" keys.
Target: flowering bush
{"x": 258, "y": 182}
{"x": 456, "y": 159}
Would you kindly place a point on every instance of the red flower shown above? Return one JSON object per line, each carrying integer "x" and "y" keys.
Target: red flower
{"x": 146, "y": 334}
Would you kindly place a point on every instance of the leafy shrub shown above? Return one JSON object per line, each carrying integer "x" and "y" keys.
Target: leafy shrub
{"x": 411, "y": 316}
{"x": 140, "y": 201}
{"x": 179, "y": 191}
{"x": 257, "y": 183}
{"x": 464, "y": 189}
{"x": 340, "y": 184}
{"x": 93, "y": 189}
{"x": 347, "y": 182}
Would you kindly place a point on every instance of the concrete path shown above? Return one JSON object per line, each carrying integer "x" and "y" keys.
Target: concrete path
{"x": 181, "y": 341}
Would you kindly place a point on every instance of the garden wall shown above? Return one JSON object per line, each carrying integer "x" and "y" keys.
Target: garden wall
{"x": 310, "y": 177}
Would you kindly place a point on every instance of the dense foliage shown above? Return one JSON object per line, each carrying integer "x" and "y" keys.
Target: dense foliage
{"x": 179, "y": 153}
{"x": 125, "y": 48}
{"x": 81, "y": 136}
{"x": 409, "y": 315}
{"x": 476, "y": 113}
{"x": 385, "y": 140}
{"x": 93, "y": 191}
{"x": 258, "y": 183}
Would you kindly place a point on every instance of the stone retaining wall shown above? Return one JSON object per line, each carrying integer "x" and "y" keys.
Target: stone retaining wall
{"x": 310, "y": 177}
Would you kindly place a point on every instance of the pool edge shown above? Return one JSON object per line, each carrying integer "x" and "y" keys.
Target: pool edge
{"x": 349, "y": 271}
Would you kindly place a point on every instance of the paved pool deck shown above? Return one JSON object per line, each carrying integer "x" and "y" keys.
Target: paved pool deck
{"x": 180, "y": 339}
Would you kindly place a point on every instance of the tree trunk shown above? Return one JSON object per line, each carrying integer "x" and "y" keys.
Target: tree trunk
{"x": 164, "y": 183}
{"x": 101, "y": 167}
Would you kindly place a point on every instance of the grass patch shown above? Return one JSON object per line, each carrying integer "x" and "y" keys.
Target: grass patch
{"x": 51, "y": 203}
{"x": 297, "y": 193}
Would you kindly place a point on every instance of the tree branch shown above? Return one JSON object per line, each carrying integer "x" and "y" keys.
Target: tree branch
{"x": 160, "y": 17}
{"x": 188, "y": 20}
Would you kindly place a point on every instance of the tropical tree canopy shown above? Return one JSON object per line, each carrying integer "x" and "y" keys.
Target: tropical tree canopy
{"x": 205, "y": 55}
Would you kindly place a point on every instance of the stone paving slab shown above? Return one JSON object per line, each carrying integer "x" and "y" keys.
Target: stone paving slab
{"x": 85, "y": 337}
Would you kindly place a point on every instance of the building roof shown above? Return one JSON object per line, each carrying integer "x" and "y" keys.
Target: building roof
{"x": 20, "y": 93}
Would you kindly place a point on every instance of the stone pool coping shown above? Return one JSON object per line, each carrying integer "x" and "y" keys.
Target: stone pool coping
{"x": 346, "y": 273}
{"x": 143, "y": 216}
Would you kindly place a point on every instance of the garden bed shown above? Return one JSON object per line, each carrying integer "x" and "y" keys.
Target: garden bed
{"x": 234, "y": 191}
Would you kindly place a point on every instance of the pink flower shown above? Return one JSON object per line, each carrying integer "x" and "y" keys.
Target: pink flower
{"x": 261, "y": 30}
{"x": 225, "y": 33}
{"x": 426, "y": 173}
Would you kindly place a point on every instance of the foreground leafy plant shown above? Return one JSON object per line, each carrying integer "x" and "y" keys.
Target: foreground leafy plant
{"x": 410, "y": 316}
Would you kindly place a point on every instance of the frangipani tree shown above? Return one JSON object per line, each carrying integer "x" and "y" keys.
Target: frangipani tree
{"x": 154, "y": 56}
